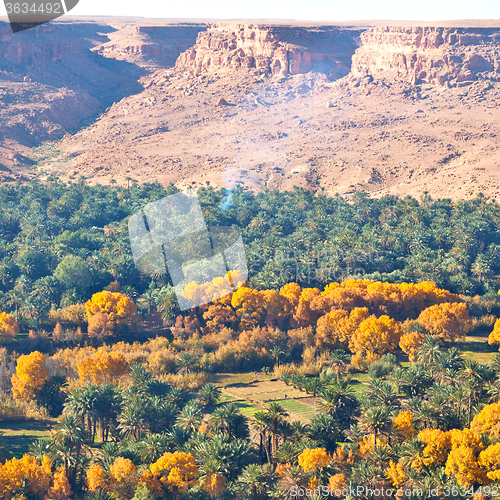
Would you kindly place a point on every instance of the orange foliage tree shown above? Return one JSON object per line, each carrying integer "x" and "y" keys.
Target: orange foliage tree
{"x": 312, "y": 459}
{"x": 123, "y": 477}
{"x": 175, "y": 471}
{"x": 410, "y": 342}
{"x": 8, "y": 328}
{"x": 336, "y": 328}
{"x": 396, "y": 474}
{"x": 106, "y": 310}
{"x": 437, "y": 447}
{"x": 16, "y": 473}
{"x": 403, "y": 424}
{"x": 374, "y": 337}
{"x": 487, "y": 421}
{"x": 447, "y": 321}
{"x": 462, "y": 462}
{"x": 102, "y": 367}
{"x": 494, "y": 337}
{"x": 31, "y": 374}
{"x": 96, "y": 478}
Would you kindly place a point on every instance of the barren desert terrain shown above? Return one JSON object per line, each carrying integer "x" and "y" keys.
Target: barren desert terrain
{"x": 388, "y": 109}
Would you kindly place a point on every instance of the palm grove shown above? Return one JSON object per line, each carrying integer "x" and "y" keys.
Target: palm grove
{"x": 142, "y": 419}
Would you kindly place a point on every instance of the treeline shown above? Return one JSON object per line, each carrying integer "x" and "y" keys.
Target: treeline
{"x": 60, "y": 243}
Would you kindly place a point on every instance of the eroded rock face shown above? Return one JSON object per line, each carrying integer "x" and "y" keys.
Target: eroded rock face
{"x": 151, "y": 47}
{"x": 432, "y": 55}
{"x": 277, "y": 50}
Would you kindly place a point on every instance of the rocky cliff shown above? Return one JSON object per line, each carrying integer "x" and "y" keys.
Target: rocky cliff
{"x": 442, "y": 56}
{"x": 276, "y": 50}
{"x": 151, "y": 47}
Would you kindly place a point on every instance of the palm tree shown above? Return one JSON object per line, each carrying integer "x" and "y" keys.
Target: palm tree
{"x": 276, "y": 353}
{"x": 256, "y": 480}
{"x": 209, "y": 394}
{"x": 275, "y": 415}
{"x": 382, "y": 393}
{"x": 376, "y": 420}
{"x": 232, "y": 454}
{"x": 339, "y": 401}
{"x": 161, "y": 414}
{"x": 229, "y": 420}
{"x": 132, "y": 419}
{"x": 314, "y": 385}
{"x": 261, "y": 424}
{"x": 429, "y": 351}
{"x": 70, "y": 439}
{"x": 82, "y": 403}
{"x": 186, "y": 362}
{"x": 411, "y": 451}
{"x": 190, "y": 417}
{"x": 325, "y": 430}
{"x": 152, "y": 447}
{"x": 338, "y": 360}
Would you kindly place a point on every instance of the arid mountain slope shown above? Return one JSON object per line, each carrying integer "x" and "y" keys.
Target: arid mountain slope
{"x": 58, "y": 77}
{"x": 397, "y": 110}
{"x": 377, "y": 129}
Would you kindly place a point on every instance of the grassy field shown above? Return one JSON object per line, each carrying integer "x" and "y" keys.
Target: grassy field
{"x": 299, "y": 410}
{"x": 477, "y": 348}
{"x": 17, "y": 435}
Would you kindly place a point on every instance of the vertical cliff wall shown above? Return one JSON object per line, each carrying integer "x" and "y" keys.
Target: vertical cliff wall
{"x": 276, "y": 50}
{"x": 433, "y": 55}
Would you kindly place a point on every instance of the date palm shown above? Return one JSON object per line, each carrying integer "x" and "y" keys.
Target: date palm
{"x": 209, "y": 394}
{"x": 260, "y": 423}
{"x": 229, "y": 420}
{"x": 275, "y": 415}
{"x": 339, "y": 401}
{"x": 376, "y": 421}
{"x": 190, "y": 417}
{"x": 256, "y": 479}
{"x": 152, "y": 447}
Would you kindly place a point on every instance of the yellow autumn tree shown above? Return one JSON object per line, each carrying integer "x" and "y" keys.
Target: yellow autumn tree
{"x": 31, "y": 374}
{"x": 9, "y": 328}
{"x": 410, "y": 342}
{"x": 60, "y": 489}
{"x": 462, "y": 461}
{"x": 16, "y": 473}
{"x": 175, "y": 471}
{"x": 437, "y": 447}
{"x": 123, "y": 477}
{"x": 487, "y": 421}
{"x": 312, "y": 459}
{"x": 463, "y": 465}
{"x": 447, "y": 321}
{"x": 250, "y": 306}
{"x": 102, "y": 367}
{"x": 336, "y": 484}
{"x": 96, "y": 478}
{"x": 403, "y": 424}
{"x": 396, "y": 474}
{"x": 214, "y": 484}
{"x": 489, "y": 460}
{"x": 336, "y": 328}
{"x": 106, "y": 310}
{"x": 374, "y": 337}
{"x": 494, "y": 337}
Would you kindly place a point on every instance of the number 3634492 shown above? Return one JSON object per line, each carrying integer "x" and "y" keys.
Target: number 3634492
{"x": 34, "y": 8}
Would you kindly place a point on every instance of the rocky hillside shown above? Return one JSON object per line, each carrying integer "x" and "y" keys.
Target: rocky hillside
{"x": 398, "y": 110}
{"x": 275, "y": 50}
{"x": 443, "y": 56}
